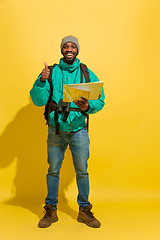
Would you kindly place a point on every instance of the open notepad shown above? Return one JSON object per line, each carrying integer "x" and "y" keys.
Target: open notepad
{"x": 90, "y": 91}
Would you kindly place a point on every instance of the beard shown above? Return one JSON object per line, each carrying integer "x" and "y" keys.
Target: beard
{"x": 69, "y": 61}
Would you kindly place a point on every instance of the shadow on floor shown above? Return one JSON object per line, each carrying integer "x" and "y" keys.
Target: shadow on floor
{"x": 25, "y": 138}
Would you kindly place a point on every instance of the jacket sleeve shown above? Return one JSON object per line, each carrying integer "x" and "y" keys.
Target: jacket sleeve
{"x": 95, "y": 105}
{"x": 40, "y": 92}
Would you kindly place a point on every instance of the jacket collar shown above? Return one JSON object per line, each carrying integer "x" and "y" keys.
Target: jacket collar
{"x": 69, "y": 67}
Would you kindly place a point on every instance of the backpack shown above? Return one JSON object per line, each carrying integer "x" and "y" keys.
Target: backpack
{"x": 52, "y": 105}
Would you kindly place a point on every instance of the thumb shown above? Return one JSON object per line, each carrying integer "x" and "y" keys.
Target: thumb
{"x": 46, "y": 65}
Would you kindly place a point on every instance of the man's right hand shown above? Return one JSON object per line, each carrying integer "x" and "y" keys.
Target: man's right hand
{"x": 45, "y": 73}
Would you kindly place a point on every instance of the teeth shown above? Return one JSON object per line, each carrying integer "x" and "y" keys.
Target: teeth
{"x": 69, "y": 55}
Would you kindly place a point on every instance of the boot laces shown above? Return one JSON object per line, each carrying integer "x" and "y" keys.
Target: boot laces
{"x": 47, "y": 213}
{"x": 89, "y": 213}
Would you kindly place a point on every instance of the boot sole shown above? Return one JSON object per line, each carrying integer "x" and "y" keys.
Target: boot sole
{"x": 81, "y": 221}
{"x": 44, "y": 226}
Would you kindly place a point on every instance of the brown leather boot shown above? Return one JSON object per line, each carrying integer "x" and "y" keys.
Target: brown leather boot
{"x": 86, "y": 216}
{"x": 49, "y": 217}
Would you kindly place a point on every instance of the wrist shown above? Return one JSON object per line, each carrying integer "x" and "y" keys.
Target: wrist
{"x": 42, "y": 79}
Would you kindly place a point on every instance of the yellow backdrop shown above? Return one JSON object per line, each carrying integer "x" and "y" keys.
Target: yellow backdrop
{"x": 119, "y": 42}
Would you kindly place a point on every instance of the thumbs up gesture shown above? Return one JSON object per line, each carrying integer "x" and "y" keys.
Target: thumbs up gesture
{"x": 45, "y": 73}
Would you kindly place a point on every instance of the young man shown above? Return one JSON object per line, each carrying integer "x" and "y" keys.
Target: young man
{"x": 71, "y": 131}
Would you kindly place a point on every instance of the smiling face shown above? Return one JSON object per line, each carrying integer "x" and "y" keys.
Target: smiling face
{"x": 69, "y": 52}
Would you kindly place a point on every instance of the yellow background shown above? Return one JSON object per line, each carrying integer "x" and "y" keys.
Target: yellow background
{"x": 120, "y": 43}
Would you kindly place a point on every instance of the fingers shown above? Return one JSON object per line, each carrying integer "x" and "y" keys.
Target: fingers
{"x": 82, "y": 104}
{"x": 45, "y": 73}
{"x": 84, "y": 100}
{"x": 46, "y": 65}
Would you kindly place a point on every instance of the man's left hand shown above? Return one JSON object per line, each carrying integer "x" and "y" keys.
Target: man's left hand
{"x": 82, "y": 104}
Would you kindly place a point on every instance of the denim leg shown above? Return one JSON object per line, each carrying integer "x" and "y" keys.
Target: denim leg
{"x": 79, "y": 146}
{"x": 56, "y": 147}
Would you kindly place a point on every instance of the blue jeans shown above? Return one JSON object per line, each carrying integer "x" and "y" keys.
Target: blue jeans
{"x": 56, "y": 147}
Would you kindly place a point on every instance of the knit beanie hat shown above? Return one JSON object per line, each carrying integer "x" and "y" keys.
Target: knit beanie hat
{"x": 70, "y": 39}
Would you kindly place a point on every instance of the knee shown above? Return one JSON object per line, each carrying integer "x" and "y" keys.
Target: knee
{"x": 52, "y": 170}
{"x": 82, "y": 175}
{"x": 81, "y": 171}
{"x": 81, "y": 167}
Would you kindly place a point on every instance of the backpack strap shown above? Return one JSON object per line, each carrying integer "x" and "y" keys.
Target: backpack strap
{"x": 51, "y": 105}
{"x": 50, "y": 79}
{"x": 84, "y": 70}
{"x": 56, "y": 121}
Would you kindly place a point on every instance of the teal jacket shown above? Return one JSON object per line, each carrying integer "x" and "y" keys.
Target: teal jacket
{"x": 65, "y": 74}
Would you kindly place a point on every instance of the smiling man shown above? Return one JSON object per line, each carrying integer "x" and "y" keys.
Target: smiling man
{"x": 69, "y": 51}
{"x": 71, "y": 131}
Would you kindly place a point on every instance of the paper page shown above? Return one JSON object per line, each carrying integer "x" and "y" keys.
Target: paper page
{"x": 71, "y": 94}
{"x": 75, "y": 91}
